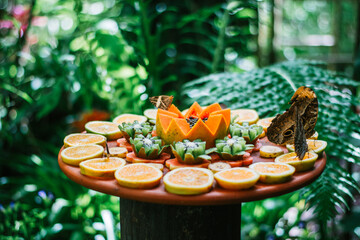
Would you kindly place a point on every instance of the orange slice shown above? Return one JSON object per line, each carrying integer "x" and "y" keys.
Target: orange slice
{"x": 218, "y": 166}
{"x": 138, "y": 175}
{"x": 118, "y": 152}
{"x": 237, "y": 178}
{"x": 174, "y": 164}
{"x": 129, "y": 118}
{"x": 108, "y": 129}
{"x": 245, "y": 115}
{"x": 75, "y": 155}
{"x": 317, "y": 146}
{"x": 78, "y": 139}
{"x": 189, "y": 181}
{"x": 265, "y": 122}
{"x": 270, "y": 151}
{"x": 271, "y": 172}
{"x": 157, "y": 165}
{"x": 300, "y": 165}
{"x": 101, "y": 167}
{"x": 150, "y": 113}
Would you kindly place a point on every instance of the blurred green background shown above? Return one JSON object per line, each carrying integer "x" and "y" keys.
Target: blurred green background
{"x": 66, "y": 62}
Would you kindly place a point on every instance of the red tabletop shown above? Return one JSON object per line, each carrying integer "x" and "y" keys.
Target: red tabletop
{"x": 217, "y": 196}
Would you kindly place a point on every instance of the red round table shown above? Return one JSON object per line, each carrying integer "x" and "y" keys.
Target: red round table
{"x": 157, "y": 214}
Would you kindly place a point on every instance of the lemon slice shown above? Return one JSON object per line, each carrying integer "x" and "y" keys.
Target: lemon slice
{"x": 138, "y": 175}
{"x": 78, "y": 139}
{"x": 108, "y": 129}
{"x": 118, "y": 152}
{"x": 129, "y": 118}
{"x": 271, "y": 172}
{"x": 270, "y": 151}
{"x": 300, "y": 165}
{"x": 245, "y": 115}
{"x": 237, "y": 178}
{"x": 265, "y": 122}
{"x": 77, "y": 154}
{"x": 219, "y": 166}
{"x": 101, "y": 167}
{"x": 189, "y": 181}
{"x": 318, "y": 146}
{"x": 150, "y": 113}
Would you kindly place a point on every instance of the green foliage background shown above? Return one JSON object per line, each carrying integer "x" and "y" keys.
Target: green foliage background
{"x": 62, "y": 59}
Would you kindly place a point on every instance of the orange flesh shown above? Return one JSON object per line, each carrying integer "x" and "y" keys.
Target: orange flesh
{"x": 81, "y": 151}
{"x": 313, "y": 144}
{"x": 189, "y": 177}
{"x": 244, "y": 115}
{"x": 128, "y": 119}
{"x": 138, "y": 172}
{"x": 103, "y": 164}
{"x": 271, "y": 168}
{"x": 265, "y": 122}
{"x": 104, "y": 127}
{"x": 84, "y": 139}
{"x": 291, "y": 157}
{"x": 236, "y": 174}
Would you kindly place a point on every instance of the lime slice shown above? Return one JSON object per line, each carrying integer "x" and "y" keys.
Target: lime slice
{"x": 150, "y": 114}
{"x": 273, "y": 172}
{"x": 270, "y": 151}
{"x": 108, "y": 129}
{"x": 219, "y": 166}
{"x": 118, "y": 152}
{"x": 318, "y": 146}
{"x": 129, "y": 118}
{"x": 300, "y": 165}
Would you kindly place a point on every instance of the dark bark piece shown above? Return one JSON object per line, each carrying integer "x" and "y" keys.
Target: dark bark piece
{"x": 282, "y": 128}
{"x": 141, "y": 220}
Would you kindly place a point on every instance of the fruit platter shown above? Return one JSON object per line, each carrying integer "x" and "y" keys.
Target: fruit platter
{"x": 203, "y": 155}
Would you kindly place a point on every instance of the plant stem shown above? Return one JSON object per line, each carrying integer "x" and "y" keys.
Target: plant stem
{"x": 219, "y": 50}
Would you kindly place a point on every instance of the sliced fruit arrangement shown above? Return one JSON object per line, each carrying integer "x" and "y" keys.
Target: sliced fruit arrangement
{"x": 318, "y": 146}
{"x": 271, "y": 172}
{"x": 245, "y": 115}
{"x": 122, "y": 142}
{"x": 138, "y": 175}
{"x": 108, "y": 129}
{"x": 219, "y": 166}
{"x": 231, "y": 148}
{"x": 78, "y": 139}
{"x": 300, "y": 165}
{"x": 190, "y": 152}
{"x": 101, "y": 167}
{"x": 129, "y": 118}
{"x": 189, "y": 181}
{"x": 75, "y": 155}
{"x": 237, "y": 178}
{"x": 249, "y": 132}
{"x": 270, "y": 151}
{"x": 206, "y": 124}
{"x": 118, "y": 152}
{"x": 147, "y": 147}
{"x": 130, "y": 130}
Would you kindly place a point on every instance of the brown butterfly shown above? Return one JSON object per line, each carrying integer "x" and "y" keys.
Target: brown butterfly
{"x": 162, "y": 101}
{"x": 297, "y": 123}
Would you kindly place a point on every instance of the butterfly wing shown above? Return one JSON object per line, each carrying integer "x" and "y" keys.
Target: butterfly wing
{"x": 162, "y": 101}
{"x": 301, "y": 146}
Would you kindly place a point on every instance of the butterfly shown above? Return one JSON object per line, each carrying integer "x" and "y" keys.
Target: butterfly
{"x": 297, "y": 123}
{"x": 162, "y": 101}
